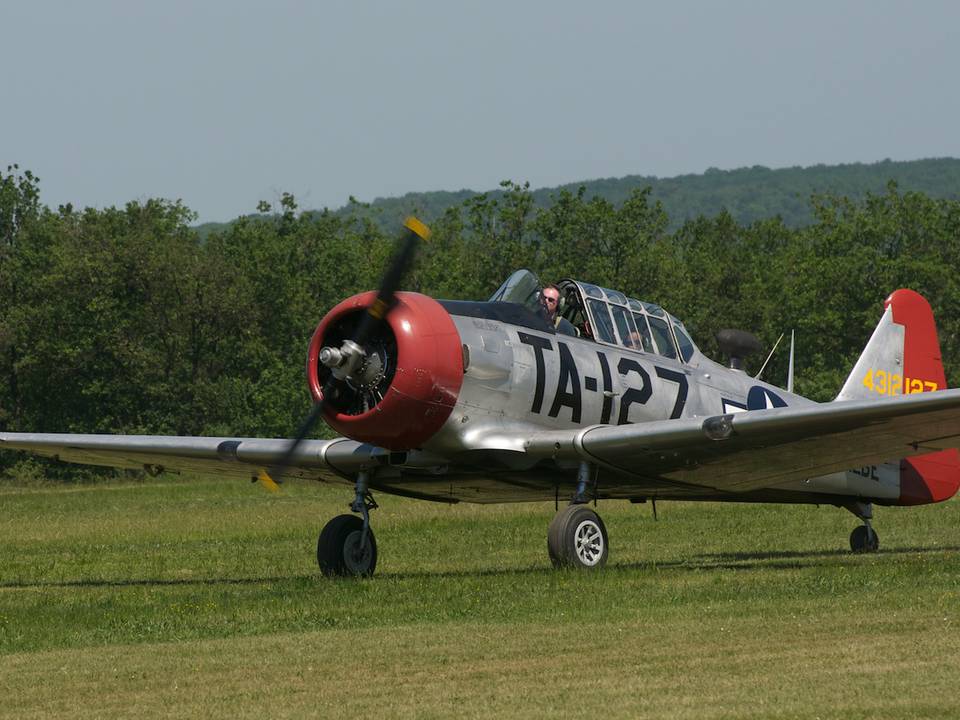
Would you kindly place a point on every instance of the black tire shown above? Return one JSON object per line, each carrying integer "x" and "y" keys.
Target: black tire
{"x": 864, "y": 540}
{"x": 577, "y": 538}
{"x": 337, "y": 548}
{"x": 553, "y": 537}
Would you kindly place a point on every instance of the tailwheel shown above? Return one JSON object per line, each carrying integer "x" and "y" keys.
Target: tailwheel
{"x": 342, "y": 549}
{"x": 577, "y": 538}
{"x": 864, "y": 539}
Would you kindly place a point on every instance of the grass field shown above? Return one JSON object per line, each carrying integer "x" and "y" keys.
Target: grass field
{"x": 172, "y": 598}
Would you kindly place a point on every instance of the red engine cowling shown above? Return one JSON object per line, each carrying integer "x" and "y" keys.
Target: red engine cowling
{"x": 414, "y": 382}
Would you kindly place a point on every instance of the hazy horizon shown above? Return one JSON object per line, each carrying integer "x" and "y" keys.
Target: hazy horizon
{"x": 222, "y": 105}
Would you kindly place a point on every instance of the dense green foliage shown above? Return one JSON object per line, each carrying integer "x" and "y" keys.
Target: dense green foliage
{"x": 124, "y": 320}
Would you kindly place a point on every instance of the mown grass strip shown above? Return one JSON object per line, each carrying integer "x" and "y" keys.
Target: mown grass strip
{"x": 202, "y": 598}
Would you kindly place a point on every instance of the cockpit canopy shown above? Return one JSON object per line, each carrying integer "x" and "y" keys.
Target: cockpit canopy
{"x": 606, "y": 316}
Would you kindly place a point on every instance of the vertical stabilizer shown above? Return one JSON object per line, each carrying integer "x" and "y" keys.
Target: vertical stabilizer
{"x": 903, "y": 354}
{"x": 903, "y": 357}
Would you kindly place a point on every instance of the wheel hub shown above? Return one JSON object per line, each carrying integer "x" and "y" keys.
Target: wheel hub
{"x": 588, "y": 542}
{"x": 356, "y": 554}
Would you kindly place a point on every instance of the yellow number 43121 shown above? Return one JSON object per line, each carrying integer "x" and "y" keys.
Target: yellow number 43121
{"x": 884, "y": 383}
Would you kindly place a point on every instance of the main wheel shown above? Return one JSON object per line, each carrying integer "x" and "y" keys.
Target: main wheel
{"x": 578, "y": 538}
{"x": 864, "y": 539}
{"x": 338, "y": 549}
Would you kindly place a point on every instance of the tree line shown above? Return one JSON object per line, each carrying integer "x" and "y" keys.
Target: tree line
{"x": 127, "y": 320}
{"x": 749, "y": 194}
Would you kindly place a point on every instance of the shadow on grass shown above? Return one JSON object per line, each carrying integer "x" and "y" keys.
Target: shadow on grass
{"x": 149, "y": 582}
{"x": 793, "y": 554}
{"x": 773, "y": 560}
{"x": 779, "y": 560}
{"x": 783, "y": 560}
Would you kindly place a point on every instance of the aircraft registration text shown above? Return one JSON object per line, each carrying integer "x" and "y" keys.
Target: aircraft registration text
{"x": 886, "y": 383}
{"x": 569, "y": 393}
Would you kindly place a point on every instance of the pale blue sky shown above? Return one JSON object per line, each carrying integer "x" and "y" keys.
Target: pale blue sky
{"x": 222, "y": 104}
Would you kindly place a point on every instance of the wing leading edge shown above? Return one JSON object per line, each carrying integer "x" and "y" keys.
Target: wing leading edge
{"x": 232, "y": 457}
{"x": 764, "y": 448}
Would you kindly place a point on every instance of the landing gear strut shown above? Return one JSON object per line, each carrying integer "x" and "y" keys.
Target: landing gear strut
{"x": 864, "y": 538}
{"x": 347, "y": 545}
{"x": 577, "y": 537}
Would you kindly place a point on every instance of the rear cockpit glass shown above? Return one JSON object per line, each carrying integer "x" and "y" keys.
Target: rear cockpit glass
{"x": 663, "y": 337}
{"x": 683, "y": 340}
{"x": 615, "y": 297}
{"x": 592, "y": 291}
{"x": 609, "y": 316}
{"x": 654, "y": 310}
{"x": 645, "y": 341}
{"x": 625, "y": 327}
{"x": 603, "y": 326}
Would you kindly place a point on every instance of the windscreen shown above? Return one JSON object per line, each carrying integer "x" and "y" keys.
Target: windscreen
{"x": 522, "y": 287}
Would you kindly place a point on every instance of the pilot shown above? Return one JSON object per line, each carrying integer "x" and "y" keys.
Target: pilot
{"x": 550, "y": 301}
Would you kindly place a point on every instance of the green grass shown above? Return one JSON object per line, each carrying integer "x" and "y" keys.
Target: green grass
{"x": 202, "y": 598}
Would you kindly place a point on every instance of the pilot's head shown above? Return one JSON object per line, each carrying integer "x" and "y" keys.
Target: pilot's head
{"x": 550, "y": 299}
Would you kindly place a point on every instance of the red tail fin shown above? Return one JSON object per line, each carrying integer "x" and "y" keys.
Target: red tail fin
{"x": 936, "y": 476}
{"x": 922, "y": 363}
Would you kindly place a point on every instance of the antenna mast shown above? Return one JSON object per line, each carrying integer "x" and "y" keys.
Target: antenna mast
{"x": 790, "y": 370}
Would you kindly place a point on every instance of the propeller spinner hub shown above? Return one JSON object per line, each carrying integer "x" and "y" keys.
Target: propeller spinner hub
{"x": 331, "y": 357}
{"x": 345, "y": 360}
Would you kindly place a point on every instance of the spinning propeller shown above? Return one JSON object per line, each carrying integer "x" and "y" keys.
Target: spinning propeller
{"x": 352, "y": 365}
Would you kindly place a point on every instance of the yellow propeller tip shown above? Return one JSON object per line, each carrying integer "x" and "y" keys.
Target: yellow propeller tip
{"x": 267, "y": 481}
{"x": 417, "y": 227}
{"x": 378, "y": 309}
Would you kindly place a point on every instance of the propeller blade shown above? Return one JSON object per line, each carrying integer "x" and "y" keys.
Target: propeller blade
{"x": 391, "y": 279}
{"x": 267, "y": 481}
{"x": 375, "y": 314}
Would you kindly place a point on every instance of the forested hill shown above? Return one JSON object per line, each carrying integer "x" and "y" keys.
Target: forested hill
{"x": 748, "y": 194}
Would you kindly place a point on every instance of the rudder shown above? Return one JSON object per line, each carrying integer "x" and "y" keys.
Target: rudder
{"x": 903, "y": 354}
{"x": 903, "y": 357}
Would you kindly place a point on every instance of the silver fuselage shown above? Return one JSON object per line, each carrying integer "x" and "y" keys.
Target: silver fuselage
{"x": 521, "y": 380}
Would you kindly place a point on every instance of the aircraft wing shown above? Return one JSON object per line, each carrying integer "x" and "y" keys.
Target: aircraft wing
{"x": 762, "y": 448}
{"x": 233, "y": 457}
{"x": 733, "y": 453}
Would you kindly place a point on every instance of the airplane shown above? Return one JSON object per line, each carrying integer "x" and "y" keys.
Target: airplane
{"x": 489, "y": 402}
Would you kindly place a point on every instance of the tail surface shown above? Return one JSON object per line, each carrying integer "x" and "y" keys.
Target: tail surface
{"x": 903, "y": 357}
{"x": 903, "y": 354}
